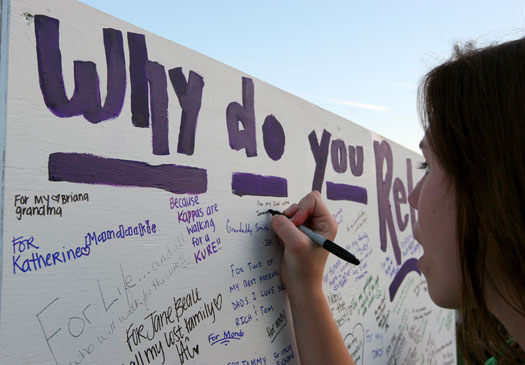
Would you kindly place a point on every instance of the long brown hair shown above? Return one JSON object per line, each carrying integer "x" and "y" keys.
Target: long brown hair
{"x": 473, "y": 110}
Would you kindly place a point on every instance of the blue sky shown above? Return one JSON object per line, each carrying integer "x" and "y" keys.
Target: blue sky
{"x": 360, "y": 59}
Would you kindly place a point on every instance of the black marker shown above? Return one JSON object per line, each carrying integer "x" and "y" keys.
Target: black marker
{"x": 324, "y": 242}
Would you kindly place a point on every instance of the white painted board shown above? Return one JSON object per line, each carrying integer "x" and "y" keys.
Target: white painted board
{"x": 131, "y": 192}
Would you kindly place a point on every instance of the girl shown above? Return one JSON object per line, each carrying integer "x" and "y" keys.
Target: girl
{"x": 471, "y": 213}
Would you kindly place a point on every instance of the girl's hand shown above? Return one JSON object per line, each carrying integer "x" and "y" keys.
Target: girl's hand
{"x": 302, "y": 264}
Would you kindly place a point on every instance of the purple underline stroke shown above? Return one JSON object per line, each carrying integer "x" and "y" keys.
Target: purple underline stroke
{"x": 408, "y": 266}
{"x": 258, "y": 185}
{"x": 352, "y": 193}
{"x": 90, "y": 169}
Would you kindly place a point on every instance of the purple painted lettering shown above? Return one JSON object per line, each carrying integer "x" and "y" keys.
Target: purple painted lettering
{"x": 400, "y": 197}
{"x": 159, "y": 107}
{"x": 383, "y": 153}
{"x": 86, "y": 96}
{"x": 245, "y": 114}
{"x": 339, "y": 158}
{"x": 355, "y": 156}
{"x": 189, "y": 94}
{"x": 138, "y": 56}
{"x": 273, "y": 137}
{"x": 320, "y": 153}
{"x": 408, "y": 266}
{"x": 410, "y": 185}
